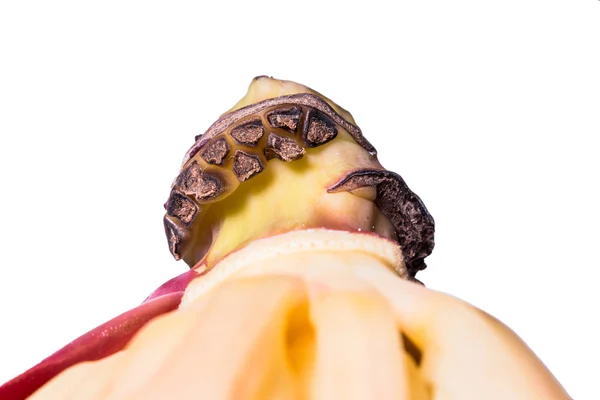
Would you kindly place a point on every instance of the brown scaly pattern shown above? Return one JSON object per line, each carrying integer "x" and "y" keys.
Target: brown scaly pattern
{"x": 239, "y": 145}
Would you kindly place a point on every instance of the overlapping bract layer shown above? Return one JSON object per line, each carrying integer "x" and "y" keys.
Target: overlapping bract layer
{"x": 286, "y": 122}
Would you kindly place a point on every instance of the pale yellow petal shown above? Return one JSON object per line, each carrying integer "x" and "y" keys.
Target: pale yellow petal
{"x": 358, "y": 350}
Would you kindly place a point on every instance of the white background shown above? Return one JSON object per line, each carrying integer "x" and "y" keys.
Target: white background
{"x": 489, "y": 110}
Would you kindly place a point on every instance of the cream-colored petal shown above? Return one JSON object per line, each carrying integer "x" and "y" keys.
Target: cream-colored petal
{"x": 358, "y": 352}
{"x": 89, "y": 380}
{"x": 235, "y": 349}
{"x": 466, "y": 353}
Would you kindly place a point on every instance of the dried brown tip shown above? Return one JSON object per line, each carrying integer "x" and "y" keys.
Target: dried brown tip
{"x": 245, "y": 165}
{"x": 215, "y": 152}
{"x": 413, "y": 224}
{"x": 283, "y": 148}
{"x": 318, "y": 130}
{"x": 180, "y": 206}
{"x": 285, "y": 118}
{"x": 249, "y": 133}
{"x": 175, "y": 236}
{"x": 194, "y": 182}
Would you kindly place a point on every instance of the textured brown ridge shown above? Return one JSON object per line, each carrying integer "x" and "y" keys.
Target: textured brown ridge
{"x": 413, "y": 224}
{"x": 301, "y": 99}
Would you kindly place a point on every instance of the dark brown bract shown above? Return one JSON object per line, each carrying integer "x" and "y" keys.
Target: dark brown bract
{"x": 409, "y": 216}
